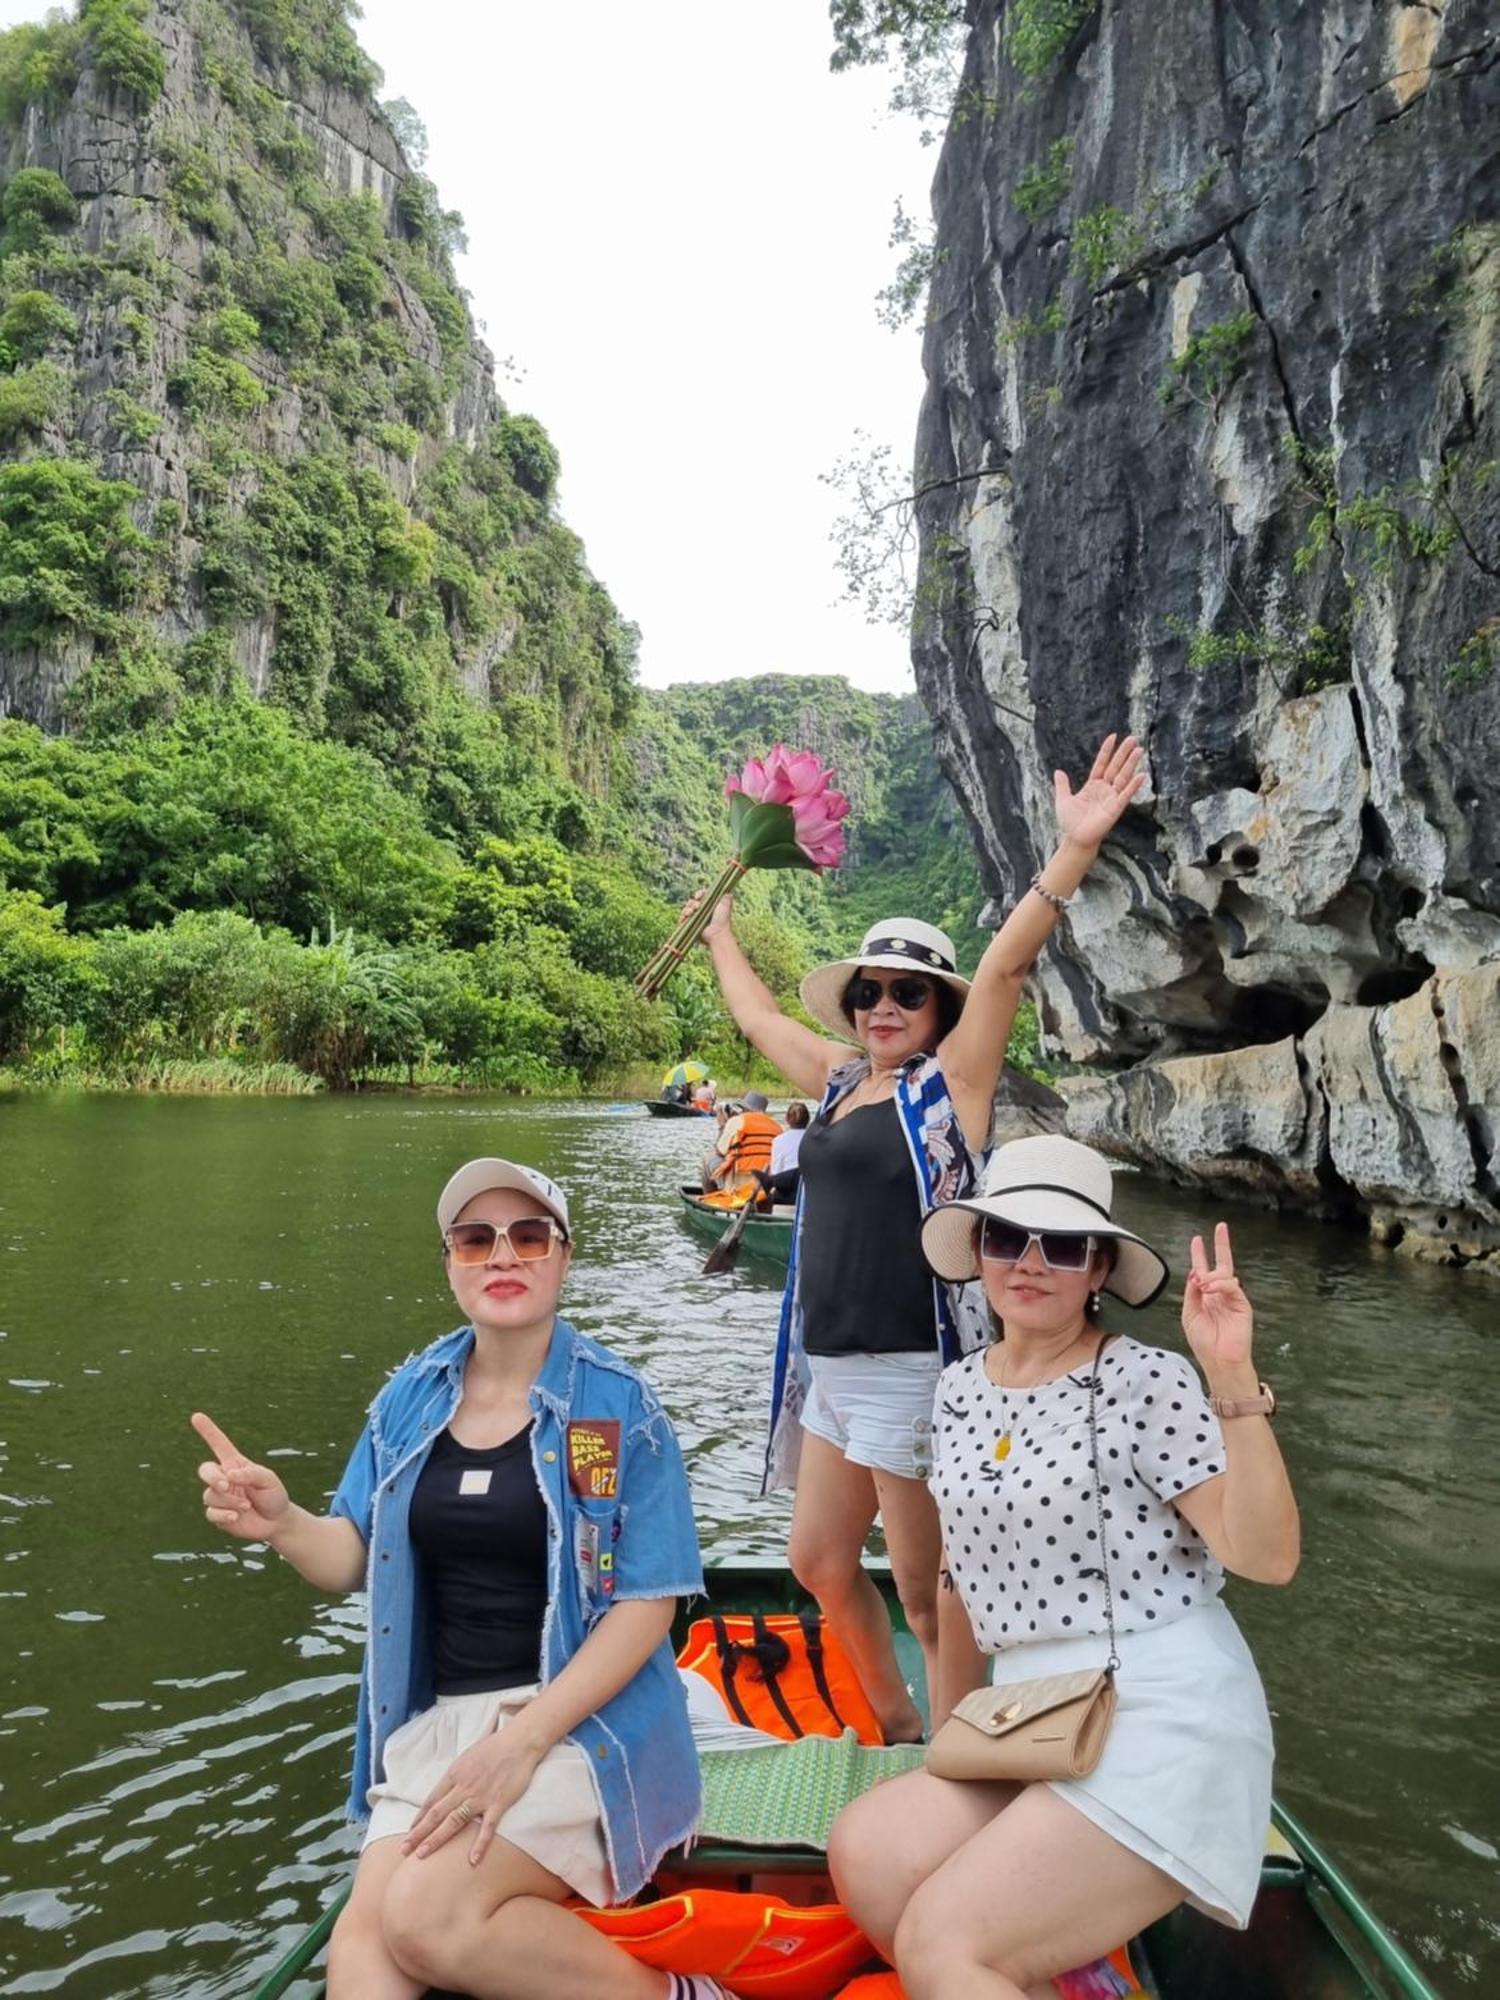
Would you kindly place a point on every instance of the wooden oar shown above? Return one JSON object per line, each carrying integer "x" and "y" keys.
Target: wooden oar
{"x": 727, "y": 1249}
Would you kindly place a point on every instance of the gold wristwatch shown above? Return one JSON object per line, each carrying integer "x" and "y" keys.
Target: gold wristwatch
{"x": 1263, "y": 1405}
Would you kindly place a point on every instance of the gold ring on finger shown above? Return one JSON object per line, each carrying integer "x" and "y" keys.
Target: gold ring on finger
{"x": 462, "y": 1813}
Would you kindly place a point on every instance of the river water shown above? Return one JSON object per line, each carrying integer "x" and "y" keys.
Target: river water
{"x": 175, "y": 1710}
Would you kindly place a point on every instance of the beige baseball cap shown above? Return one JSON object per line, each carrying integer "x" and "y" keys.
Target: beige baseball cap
{"x": 479, "y": 1176}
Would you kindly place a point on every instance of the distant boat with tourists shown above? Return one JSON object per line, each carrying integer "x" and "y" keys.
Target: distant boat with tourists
{"x": 767, "y": 1234}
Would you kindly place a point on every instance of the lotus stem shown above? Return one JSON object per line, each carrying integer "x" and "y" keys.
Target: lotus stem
{"x": 667, "y": 957}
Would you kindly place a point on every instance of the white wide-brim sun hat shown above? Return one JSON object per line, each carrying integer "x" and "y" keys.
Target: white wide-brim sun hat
{"x": 900, "y": 944}
{"x": 1045, "y": 1184}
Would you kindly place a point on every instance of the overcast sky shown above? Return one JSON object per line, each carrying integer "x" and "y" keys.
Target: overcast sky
{"x": 677, "y": 224}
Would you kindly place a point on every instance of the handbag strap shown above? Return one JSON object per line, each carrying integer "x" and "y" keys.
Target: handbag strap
{"x": 1113, "y": 1663}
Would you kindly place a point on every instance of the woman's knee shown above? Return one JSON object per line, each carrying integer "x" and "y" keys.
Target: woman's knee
{"x": 825, "y": 1571}
{"x": 421, "y": 1926}
{"x": 919, "y": 1604}
{"x": 859, "y": 1845}
{"x": 356, "y": 1938}
{"x": 934, "y": 1948}
{"x": 928, "y": 1941}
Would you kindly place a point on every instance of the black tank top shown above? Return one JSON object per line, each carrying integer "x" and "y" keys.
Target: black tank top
{"x": 863, "y": 1283}
{"x": 479, "y": 1525}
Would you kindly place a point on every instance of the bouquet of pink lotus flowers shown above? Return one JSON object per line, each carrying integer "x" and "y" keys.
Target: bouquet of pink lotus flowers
{"x": 783, "y": 813}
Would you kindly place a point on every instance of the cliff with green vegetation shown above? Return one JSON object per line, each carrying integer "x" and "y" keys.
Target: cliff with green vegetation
{"x": 1211, "y": 451}
{"x": 324, "y": 757}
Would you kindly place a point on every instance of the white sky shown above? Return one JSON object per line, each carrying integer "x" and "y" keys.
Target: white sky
{"x": 677, "y": 222}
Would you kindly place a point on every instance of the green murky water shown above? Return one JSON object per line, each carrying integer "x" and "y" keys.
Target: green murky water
{"x": 174, "y": 1712}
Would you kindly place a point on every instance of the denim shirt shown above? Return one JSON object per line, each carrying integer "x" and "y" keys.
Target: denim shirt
{"x": 628, "y": 1533}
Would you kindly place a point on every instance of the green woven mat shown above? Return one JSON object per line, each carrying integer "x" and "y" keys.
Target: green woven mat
{"x": 788, "y": 1795}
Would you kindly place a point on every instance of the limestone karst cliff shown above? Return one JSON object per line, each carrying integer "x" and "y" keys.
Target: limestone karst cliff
{"x": 247, "y": 432}
{"x": 1209, "y": 451}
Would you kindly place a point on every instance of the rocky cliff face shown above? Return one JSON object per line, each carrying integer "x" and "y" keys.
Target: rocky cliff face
{"x": 255, "y": 339}
{"x": 1209, "y": 450}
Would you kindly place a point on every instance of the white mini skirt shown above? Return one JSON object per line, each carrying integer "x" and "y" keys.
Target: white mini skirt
{"x": 1185, "y": 1777}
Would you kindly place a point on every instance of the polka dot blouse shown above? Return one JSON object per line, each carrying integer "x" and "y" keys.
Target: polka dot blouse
{"x": 1020, "y": 1527}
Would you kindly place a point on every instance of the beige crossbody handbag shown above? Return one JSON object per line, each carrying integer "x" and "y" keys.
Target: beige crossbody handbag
{"x": 1053, "y": 1727}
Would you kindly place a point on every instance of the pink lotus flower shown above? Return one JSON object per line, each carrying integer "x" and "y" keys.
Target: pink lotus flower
{"x": 784, "y": 813}
{"x": 797, "y": 779}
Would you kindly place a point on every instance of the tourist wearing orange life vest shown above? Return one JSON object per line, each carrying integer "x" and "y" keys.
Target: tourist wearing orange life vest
{"x": 743, "y": 1147}
{"x": 904, "y": 1121}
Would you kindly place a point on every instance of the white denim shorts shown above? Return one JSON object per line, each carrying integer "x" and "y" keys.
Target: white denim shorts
{"x": 556, "y": 1820}
{"x": 876, "y": 1408}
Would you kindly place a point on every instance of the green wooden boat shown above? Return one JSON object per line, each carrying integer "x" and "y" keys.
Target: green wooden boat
{"x": 1310, "y": 1938}
{"x": 765, "y": 1235}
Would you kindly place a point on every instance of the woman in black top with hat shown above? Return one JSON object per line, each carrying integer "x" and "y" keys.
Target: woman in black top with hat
{"x": 904, "y": 1122}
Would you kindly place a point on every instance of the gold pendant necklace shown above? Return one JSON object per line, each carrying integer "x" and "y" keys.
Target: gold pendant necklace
{"x": 1002, "y": 1443}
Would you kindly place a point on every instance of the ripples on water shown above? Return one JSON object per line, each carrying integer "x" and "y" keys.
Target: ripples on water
{"x": 175, "y": 1711}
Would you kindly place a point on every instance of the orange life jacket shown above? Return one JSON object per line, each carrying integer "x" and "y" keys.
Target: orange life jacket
{"x": 783, "y": 1672}
{"x": 750, "y": 1149}
{"x": 757, "y": 1944}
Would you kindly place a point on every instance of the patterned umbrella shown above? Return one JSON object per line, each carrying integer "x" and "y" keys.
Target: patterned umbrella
{"x": 686, "y": 1072}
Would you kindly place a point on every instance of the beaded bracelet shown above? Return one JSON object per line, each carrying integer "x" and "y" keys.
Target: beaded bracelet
{"x": 1058, "y": 903}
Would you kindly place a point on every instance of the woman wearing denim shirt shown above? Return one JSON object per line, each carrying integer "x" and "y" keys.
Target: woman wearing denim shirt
{"x": 478, "y": 1573}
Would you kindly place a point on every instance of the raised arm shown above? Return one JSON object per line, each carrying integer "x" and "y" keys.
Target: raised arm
{"x": 804, "y": 1057}
{"x": 973, "y": 1053}
{"x": 251, "y": 1503}
{"x": 1248, "y": 1515}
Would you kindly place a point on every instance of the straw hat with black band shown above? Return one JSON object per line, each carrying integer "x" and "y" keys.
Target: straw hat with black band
{"x": 1045, "y": 1184}
{"x": 897, "y": 944}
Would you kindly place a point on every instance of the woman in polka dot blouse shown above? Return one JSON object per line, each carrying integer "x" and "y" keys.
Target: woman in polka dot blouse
{"x": 992, "y": 1890}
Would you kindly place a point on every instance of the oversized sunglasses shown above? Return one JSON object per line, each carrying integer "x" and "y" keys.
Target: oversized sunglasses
{"x": 1007, "y": 1243}
{"x": 528, "y": 1240}
{"x": 910, "y": 995}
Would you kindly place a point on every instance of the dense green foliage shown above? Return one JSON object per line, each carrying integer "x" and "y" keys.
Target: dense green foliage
{"x": 70, "y": 552}
{"x": 445, "y": 828}
{"x": 1038, "y": 31}
{"x": 221, "y": 884}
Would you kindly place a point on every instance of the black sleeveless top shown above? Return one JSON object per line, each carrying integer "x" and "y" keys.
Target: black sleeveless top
{"x": 479, "y": 1524}
{"x": 864, "y": 1285}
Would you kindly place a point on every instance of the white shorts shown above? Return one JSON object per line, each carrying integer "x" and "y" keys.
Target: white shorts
{"x": 556, "y": 1820}
{"x": 876, "y": 1408}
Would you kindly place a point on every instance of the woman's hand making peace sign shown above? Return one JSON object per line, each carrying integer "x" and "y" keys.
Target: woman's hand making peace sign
{"x": 1216, "y": 1315}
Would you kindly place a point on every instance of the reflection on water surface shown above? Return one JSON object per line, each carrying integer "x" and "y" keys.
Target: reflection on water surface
{"x": 174, "y": 1712}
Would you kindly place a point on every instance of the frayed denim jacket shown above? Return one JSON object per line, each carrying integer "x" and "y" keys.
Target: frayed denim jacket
{"x": 620, "y": 1526}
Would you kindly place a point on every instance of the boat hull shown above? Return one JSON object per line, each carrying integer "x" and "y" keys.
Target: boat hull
{"x": 1310, "y": 1937}
{"x": 768, "y": 1236}
{"x": 661, "y": 1107}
